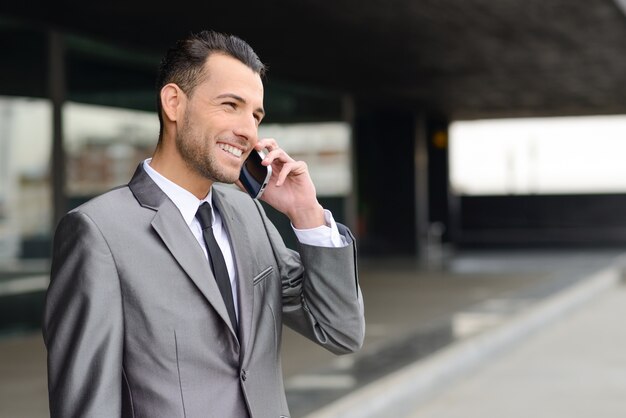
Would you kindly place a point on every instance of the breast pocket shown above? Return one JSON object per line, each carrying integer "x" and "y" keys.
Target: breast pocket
{"x": 259, "y": 278}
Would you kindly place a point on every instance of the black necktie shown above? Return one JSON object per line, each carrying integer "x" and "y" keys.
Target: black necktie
{"x": 216, "y": 259}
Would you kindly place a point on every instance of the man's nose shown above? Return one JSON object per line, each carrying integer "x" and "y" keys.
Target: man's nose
{"x": 247, "y": 128}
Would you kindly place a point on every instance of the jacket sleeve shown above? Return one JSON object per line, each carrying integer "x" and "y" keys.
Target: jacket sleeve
{"x": 83, "y": 323}
{"x": 320, "y": 291}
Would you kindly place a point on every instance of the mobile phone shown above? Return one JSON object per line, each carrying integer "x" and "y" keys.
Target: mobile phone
{"x": 254, "y": 176}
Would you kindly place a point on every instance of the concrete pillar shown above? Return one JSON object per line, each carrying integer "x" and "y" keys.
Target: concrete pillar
{"x": 439, "y": 198}
{"x": 57, "y": 94}
{"x": 401, "y": 166}
{"x": 384, "y": 141}
{"x": 421, "y": 185}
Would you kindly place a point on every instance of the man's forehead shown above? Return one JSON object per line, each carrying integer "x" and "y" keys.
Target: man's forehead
{"x": 226, "y": 64}
{"x": 225, "y": 72}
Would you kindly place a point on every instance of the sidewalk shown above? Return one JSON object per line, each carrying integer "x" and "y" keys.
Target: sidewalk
{"x": 573, "y": 369}
{"x": 485, "y": 331}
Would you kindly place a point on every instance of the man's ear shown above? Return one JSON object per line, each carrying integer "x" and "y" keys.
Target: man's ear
{"x": 172, "y": 101}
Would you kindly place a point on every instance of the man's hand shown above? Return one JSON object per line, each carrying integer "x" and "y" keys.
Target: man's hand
{"x": 290, "y": 190}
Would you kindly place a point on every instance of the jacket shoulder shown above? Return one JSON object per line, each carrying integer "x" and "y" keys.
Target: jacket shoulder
{"x": 109, "y": 202}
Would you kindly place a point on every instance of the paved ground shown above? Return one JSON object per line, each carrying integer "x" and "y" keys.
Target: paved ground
{"x": 573, "y": 369}
{"x": 23, "y": 390}
{"x": 412, "y": 312}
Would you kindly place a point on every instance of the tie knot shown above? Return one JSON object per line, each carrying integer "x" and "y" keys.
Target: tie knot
{"x": 205, "y": 215}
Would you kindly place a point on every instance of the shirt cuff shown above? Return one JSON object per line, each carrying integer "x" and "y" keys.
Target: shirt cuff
{"x": 322, "y": 236}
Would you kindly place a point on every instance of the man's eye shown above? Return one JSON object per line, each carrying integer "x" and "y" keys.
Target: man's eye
{"x": 231, "y": 104}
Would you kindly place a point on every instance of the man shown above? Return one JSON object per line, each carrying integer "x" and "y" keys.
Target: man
{"x": 137, "y": 321}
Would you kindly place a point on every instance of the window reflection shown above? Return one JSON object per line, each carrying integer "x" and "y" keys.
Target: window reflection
{"x": 324, "y": 146}
{"x": 25, "y": 202}
{"x": 104, "y": 146}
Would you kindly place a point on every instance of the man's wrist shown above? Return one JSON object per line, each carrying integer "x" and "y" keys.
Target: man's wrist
{"x": 326, "y": 235}
{"x": 307, "y": 218}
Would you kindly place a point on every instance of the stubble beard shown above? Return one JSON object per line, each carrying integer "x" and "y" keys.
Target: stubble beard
{"x": 199, "y": 157}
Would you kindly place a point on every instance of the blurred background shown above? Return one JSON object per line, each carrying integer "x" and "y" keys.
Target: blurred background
{"x": 474, "y": 147}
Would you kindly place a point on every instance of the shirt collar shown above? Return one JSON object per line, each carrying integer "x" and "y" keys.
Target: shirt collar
{"x": 184, "y": 200}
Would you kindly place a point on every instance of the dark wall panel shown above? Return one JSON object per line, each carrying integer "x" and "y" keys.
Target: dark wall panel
{"x": 385, "y": 159}
{"x": 589, "y": 220}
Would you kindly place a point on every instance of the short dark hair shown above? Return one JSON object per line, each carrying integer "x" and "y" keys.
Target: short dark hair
{"x": 183, "y": 64}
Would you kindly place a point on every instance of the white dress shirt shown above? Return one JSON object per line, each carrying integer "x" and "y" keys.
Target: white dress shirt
{"x": 188, "y": 204}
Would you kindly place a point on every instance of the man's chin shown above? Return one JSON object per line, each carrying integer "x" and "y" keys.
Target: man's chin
{"x": 218, "y": 173}
{"x": 225, "y": 178}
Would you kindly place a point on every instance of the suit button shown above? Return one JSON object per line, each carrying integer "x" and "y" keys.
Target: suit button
{"x": 244, "y": 375}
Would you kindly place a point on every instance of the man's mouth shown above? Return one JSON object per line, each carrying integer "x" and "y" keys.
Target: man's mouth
{"x": 230, "y": 149}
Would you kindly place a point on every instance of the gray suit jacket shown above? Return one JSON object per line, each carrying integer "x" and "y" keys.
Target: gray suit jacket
{"x": 135, "y": 326}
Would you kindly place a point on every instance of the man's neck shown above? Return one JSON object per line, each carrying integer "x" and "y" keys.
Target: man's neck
{"x": 177, "y": 171}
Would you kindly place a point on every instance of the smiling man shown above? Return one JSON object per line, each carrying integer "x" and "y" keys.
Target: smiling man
{"x": 168, "y": 295}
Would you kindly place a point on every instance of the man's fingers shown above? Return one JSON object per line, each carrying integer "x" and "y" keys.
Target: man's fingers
{"x": 278, "y": 154}
{"x": 293, "y": 168}
{"x": 267, "y": 143}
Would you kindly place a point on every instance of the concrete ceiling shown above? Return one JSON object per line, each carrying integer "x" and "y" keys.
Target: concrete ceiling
{"x": 463, "y": 58}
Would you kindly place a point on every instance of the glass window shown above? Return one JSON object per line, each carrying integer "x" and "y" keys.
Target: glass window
{"x": 325, "y": 147}
{"x": 103, "y": 147}
{"x": 25, "y": 200}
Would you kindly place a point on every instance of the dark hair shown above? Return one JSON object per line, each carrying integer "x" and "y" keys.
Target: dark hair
{"x": 183, "y": 64}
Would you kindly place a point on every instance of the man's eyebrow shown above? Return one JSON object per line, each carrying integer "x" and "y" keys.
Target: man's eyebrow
{"x": 239, "y": 99}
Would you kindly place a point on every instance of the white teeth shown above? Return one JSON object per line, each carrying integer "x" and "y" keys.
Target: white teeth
{"x": 235, "y": 151}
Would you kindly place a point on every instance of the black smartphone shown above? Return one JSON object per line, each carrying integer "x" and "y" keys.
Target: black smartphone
{"x": 254, "y": 176}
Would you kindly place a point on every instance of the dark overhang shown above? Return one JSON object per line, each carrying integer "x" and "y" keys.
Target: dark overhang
{"x": 463, "y": 58}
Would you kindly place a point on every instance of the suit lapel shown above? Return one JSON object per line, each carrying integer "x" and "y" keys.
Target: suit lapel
{"x": 175, "y": 234}
{"x": 240, "y": 244}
